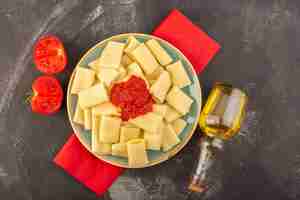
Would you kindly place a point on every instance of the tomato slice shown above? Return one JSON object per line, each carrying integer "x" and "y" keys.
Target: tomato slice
{"x": 48, "y": 95}
{"x": 50, "y": 55}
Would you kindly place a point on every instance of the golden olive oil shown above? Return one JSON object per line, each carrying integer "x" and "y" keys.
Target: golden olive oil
{"x": 223, "y": 112}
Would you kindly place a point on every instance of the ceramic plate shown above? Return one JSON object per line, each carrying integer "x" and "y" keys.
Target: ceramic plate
{"x": 193, "y": 90}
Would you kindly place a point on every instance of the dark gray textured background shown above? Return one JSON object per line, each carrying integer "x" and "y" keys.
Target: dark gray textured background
{"x": 260, "y": 53}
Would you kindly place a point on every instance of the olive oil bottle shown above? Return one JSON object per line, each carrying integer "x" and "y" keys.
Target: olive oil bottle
{"x": 220, "y": 119}
{"x": 223, "y": 112}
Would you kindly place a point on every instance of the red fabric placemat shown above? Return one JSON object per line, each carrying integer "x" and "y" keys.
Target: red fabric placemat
{"x": 95, "y": 174}
{"x": 98, "y": 175}
{"x": 193, "y": 42}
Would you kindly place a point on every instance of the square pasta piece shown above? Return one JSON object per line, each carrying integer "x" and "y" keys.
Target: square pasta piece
{"x": 160, "y": 109}
{"x": 154, "y": 76}
{"x": 84, "y": 78}
{"x": 87, "y": 119}
{"x": 94, "y": 65}
{"x": 106, "y": 108}
{"x": 179, "y": 100}
{"x": 95, "y": 124}
{"x": 111, "y": 55}
{"x": 131, "y": 44}
{"x": 161, "y": 86}
{"x": 122, "y": 72}
{"x": 128, "y": 133}
{"x": 97, "y": 146}
{"x": 119, "y": 149}
{"x": 154, "y": 141}
{"x": 107, "y": 75}
{"x": 92, "y": 96}
{"x": 144, "y": 57}
{"x": 170, "y": 138}
{"x": 171, "y": 114}
{"x": 110, "y": 129}
{"x": 137, "y": 155}
{"x": 126, "y": 60}
{"x": 159, "y": 52}
{"x": 179, "y": 76}
{"x": 134, "y": 69}
{"x": 78, "y": 115}
{"x": 100, "y": 148}
{"x": 178, "y": 125}
{"x": 149, "y": 122}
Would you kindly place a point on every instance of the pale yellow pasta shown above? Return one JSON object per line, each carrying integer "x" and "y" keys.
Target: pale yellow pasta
{"x": 157, "y": 130}
{"x": 179, "y": 76}
{"x": 160, "y": 109}
{"x": 128, "y": 124}
{"x": 110, "y": 129}
{"x": 151, "y": 82}
{"x": 161, "y": 86}
{"x": 123, "y": 79}
{"x": 95, "y": 141}
{"x": 144, "y": 57}
{"x": 170, "y": 138}
{"x": 106, "y": 108}
{"x": 179, "y": 125}
{"x": 134, "y": 69}
{"x": 87, "y": 119}
{"x": 107, "y": 75}
{"x": 129, "y": 133}
{"x": 111, "y": 55}
{"x": 154, "y": 76}
{"x": 171, "y": 114}
{"x": 92, "y": 96}
{"x": 122, "y": 72}
{"x": 126, "y": 60}
{"x": 78, "y": 115}
{"x": 94, "y": 64}
{"x": 179, "y": 100}
{"x": 119, "y": 149}
{"x": 149, "y": 122}
{"x": 137, "y": 155}
{"x": 154, "y": 141}
{"x": 132, "y": 43}
{"x": 95, "y": 124}
{"x": 100, "y": 148}
{"x": 84, "y": 78}
{"x": 159, "y": 52}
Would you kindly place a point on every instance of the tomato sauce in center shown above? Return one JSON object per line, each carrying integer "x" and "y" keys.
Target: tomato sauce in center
{"x": 133, "y": 97}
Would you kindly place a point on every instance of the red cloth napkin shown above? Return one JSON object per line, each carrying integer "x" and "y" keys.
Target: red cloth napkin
{"x": 95, "y": 174}
{"x": 194, "y": 43}
{"x": 98, "y": 175}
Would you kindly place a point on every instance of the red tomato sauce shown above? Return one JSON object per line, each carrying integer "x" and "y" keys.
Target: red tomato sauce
{"x": 133, "y": 97}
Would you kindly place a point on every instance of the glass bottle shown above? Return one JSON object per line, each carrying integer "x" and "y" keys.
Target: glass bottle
{"x": 220, "y": 119}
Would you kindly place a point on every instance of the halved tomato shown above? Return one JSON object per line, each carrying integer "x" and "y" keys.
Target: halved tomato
{"x": 50, "y": 55}
{"x": 47, "y": 95}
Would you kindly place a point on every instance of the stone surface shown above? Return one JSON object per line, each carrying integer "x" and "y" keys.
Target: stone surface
{"x": 260, "y": 52}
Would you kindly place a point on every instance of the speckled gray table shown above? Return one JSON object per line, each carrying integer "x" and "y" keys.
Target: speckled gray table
{"x": 261, "y": 45}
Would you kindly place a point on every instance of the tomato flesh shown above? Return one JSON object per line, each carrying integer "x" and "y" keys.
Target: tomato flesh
{"x": 48, "y": 95}
{"x": 49, "y": 55}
